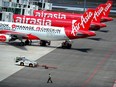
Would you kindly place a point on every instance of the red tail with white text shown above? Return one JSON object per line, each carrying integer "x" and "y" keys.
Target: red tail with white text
{"x": 106, "y": 12}
{"x": 80, "y": 27}
{"x": 98, "y": 13}
{"x": 97, "y": 18}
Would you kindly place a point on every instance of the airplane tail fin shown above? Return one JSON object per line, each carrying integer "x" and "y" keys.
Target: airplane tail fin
{"x": 107, "y": 8}
{"x": 83, "y": 23}
{"x": 98, "y": 13}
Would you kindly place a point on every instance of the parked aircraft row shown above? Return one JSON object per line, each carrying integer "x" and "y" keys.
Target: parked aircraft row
{"x": 57, "y": 21}
{"x": 47, "y": 26}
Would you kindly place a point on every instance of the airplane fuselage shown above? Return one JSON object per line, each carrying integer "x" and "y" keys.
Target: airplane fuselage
{"x": 42, "y": 32}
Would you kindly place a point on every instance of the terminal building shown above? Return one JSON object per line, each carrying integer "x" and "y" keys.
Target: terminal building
{"x": 26, "y": 7}
{"x": 79, "y": 5}
{"x": 23, "y": 7}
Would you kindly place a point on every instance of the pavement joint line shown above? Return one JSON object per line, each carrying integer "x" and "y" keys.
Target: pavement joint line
{"x": 98, "y": 67}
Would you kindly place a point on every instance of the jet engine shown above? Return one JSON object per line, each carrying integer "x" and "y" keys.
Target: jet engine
{"x": 5, "y": 38}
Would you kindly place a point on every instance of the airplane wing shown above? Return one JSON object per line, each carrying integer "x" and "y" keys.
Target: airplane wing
{"x": 9, "y": 32}
{"x": 12, "y": 35}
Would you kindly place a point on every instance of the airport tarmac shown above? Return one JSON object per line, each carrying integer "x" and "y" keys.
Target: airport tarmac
{"x": 90, "y": 63}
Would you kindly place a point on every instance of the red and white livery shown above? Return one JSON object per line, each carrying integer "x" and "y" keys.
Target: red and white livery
{"x": 78, "y": 29}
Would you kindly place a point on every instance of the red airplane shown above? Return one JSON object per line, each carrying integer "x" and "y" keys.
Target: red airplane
{"x": 79, "y": 29}
{"x": 95, "y": 24}
{"x": 63, "y": 15}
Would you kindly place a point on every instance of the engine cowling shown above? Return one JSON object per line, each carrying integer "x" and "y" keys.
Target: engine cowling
{"x": 5, "y": 38}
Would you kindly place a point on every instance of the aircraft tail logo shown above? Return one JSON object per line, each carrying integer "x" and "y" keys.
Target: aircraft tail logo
{"x": 98, "y": 13}
{"x": 82, "y": 23}
{"x": 107, "y": 8}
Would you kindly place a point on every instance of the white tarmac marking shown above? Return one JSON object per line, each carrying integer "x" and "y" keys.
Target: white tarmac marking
{"x": 8, "y": 53}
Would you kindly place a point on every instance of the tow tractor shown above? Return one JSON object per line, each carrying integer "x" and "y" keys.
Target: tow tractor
{"x": 22, "y": 61}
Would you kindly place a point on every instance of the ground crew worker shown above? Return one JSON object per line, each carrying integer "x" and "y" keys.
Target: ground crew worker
{"x": 49, "y": 79}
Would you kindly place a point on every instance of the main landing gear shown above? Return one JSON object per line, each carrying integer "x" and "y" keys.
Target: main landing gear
{"x": 44, "y": 42}
{"x": 67, "y": 44}
{"x": 27, "y": 42}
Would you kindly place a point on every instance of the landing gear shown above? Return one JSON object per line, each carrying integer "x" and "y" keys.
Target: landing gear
{"x": 27, "y": 42}
{"x": 49, "y": 42}
{"x": 22, "y": 44}
{"x": 44, "y": 42}
{"x": 67, "y": 44}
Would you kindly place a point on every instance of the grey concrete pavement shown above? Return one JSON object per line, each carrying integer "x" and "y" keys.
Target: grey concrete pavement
{"x": 90, "y": 63}
{"x": 9, "y": 52}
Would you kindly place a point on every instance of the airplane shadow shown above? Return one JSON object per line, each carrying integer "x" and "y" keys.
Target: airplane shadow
{"x": 17, "y": 45}
{"x": 96, "y": 39}
{"x": 105, "y": 31}
{"x": 85, "y": 50}
{"x": 76, "y": 49}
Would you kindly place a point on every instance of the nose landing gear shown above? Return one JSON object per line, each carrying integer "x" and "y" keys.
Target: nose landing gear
{"x": 44, "y": 42}
{"x": 67, "y": 44}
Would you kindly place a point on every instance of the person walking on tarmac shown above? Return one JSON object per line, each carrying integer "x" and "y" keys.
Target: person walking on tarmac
{"x": 49, "y": 79}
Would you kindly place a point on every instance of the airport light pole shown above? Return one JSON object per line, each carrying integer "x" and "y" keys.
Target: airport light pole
{"x": 84, "y": 5}
{"x": 43, "y": 4}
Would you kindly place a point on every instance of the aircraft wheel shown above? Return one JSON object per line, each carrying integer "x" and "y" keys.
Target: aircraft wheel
{"x": 27, "y": 42}
{"x": 22, "y": 44}
{"x": 49, "y": 42}
{"x": 66, "y": 45}
{"x": 42, "y": 43}
{"x": 69, "y": 46}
